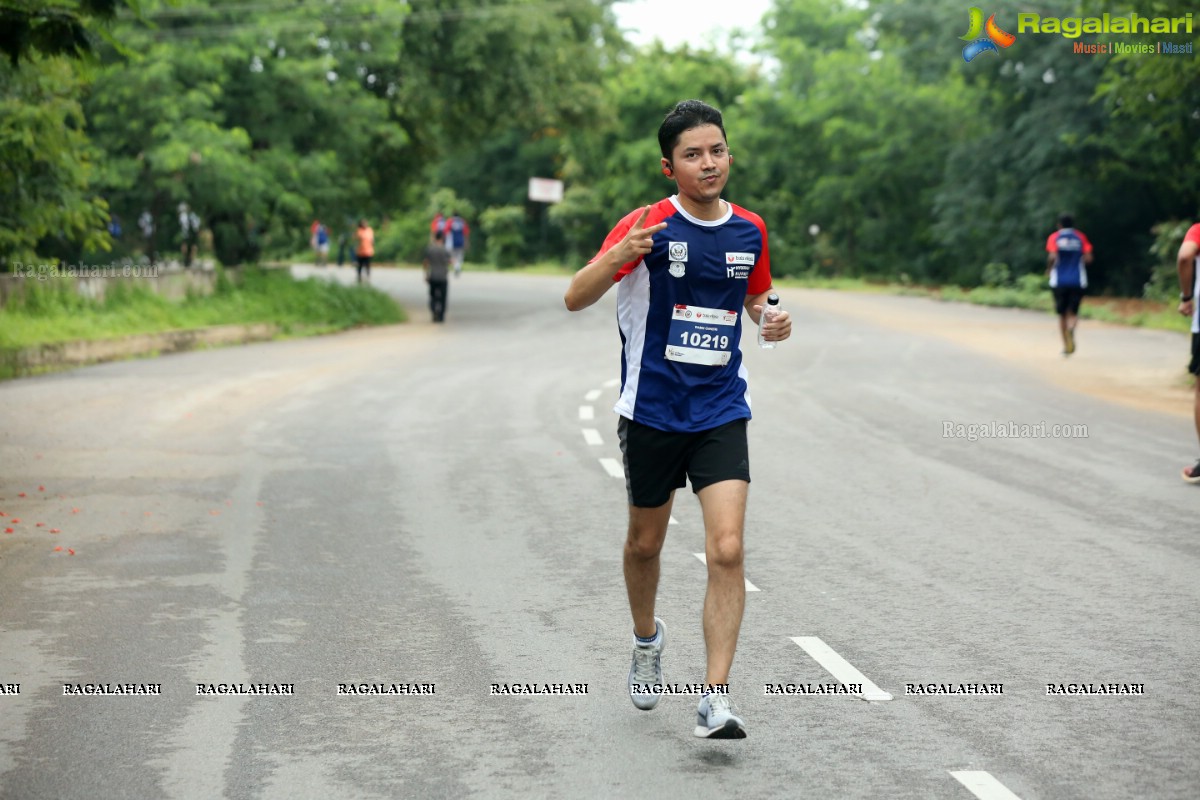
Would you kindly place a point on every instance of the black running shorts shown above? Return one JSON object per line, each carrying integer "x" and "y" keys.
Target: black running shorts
{"x": 1067, "y": 299}
{"x": 657, "y": 462}
{"x": 1194, "y": 365}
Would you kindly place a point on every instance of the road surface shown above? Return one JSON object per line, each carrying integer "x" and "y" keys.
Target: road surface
{"x": 431, "y": 508}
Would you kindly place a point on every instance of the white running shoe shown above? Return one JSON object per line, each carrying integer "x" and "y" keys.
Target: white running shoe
{"x": 645, "y": 673}
{"x": 715, "y": 719}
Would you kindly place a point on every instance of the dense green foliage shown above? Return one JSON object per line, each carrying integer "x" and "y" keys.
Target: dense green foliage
{"x": 861, "y": 135}
{"x": 54, "y": 312}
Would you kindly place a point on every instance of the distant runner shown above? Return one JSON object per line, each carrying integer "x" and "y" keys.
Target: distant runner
{"x": 1070, "y": 253}
{"x": 1188, "y": 264}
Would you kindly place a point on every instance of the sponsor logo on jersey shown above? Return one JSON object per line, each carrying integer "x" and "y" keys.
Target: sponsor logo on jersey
{"x": 677, "y": 251}
{"x": 677, "y": 269}
{"x": 739, "y": 258}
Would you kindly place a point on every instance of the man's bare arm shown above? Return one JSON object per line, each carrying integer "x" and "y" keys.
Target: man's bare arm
{"x": 591, "y": 282}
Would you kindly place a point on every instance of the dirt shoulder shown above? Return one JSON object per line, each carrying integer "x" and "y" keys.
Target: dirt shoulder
{"x": 1139, "y": 368}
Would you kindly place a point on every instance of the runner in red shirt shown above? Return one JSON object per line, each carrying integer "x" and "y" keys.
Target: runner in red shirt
{"x": 1188, "y": 263}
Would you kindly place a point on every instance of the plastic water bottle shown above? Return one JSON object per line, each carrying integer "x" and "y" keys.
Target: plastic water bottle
{"x": 769, "y": 312}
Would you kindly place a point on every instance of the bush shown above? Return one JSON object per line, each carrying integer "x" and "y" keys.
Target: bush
{"x": 1163, "y": 285}
{"x": 1032, "y": 284}
{"x": 504, "y": 227}
{"x": 403, "y": 238}
{"x": 996, "y": 274}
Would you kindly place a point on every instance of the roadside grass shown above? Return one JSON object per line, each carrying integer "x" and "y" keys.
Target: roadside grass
{"x": 1028, "y": 292}
{"x": 54, "y": 312}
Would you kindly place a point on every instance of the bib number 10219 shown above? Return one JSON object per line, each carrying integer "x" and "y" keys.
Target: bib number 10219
{"x": 706, "y": 340}
{"x": 703, "y": 336}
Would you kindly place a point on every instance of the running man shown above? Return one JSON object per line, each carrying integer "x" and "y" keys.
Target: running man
{"x": 458, "y": 239}
{"x": 1066, "y": 265}
{"x": 684, "y": 268}
{"x": 364, "y": 250}
{"x": 1188, "y": 264}
{"x": 321, "y": 244}
{"x": 436, "y": 264}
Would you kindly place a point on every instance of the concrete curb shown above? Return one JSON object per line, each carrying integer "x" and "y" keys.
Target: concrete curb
{"x": 63, "y": 355}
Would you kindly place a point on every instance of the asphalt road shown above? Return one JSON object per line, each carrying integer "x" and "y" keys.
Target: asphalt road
{"x": 429, "y": 505}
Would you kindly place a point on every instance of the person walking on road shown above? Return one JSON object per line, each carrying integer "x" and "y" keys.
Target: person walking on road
{"x": 458, "y": 239}
{"x": 1066, "y": 265}
{"x": 437, "y": 273}
{"x": 320, "y": 244}
{"x": 1188, "y": 264}
{"x": 679, "y": 266}
{"x": 364, "y": 249}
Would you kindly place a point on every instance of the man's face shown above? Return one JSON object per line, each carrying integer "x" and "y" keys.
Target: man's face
{"x": 700, "y": 163}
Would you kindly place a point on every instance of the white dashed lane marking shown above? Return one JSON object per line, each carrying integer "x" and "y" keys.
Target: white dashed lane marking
{"x": 587, "y": 413}
{"x": 613, "y": 467}
{"x": 612, "y": 382}
{"x": 983, "y": 785}
{"x": 592, "y": 396}
{"x": 750, "y": 587}
{"x": 839, "y": 667}
{"x": 592, "y": 436}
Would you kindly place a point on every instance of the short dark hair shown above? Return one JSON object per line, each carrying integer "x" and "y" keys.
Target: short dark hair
{"x": 1066, "y": 220}
{"x": 686, "y": 114}
{"x": 438, "y": 235}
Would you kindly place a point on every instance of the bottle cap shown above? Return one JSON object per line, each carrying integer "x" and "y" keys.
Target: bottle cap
{"x": 772, "y": 299}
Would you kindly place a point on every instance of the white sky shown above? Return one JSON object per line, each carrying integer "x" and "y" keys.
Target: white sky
{"x": 676, "y": 22}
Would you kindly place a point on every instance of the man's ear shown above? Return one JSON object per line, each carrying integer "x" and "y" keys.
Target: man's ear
{"x": 666, "y": 168}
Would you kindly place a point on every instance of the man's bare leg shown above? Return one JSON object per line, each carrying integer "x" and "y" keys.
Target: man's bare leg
{"x": 724, "y": 506}
{"x": 644, "y": 542}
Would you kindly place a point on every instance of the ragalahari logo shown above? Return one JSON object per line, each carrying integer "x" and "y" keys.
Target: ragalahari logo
{"x": 984, "y": 37}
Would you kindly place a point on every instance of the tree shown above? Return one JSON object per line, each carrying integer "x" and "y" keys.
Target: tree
{"x": 62, "y": 28}
{"x": 46, "y": 165}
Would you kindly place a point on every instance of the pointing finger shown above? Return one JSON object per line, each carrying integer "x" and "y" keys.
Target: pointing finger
{"x": 642, "y": 219}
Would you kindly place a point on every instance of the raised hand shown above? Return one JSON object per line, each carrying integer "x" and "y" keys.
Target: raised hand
{"x": 639, "y": 240}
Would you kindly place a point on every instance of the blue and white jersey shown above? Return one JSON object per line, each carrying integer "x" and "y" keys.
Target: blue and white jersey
{"x": 456, "y": 233}
{"x": 1069, "y": 246}
{"x": 679, "y": 309}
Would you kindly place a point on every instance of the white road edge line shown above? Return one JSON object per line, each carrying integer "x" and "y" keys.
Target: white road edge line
{"x": 839, "y": 667}
{"x": 983, "y": 785}
{"x": 592, "y": 396}
{"x": 592, "y": 436}
{"x": 587, "y": 413}
{"x": 613, "y": 467}
{"x": 750, "y": 587}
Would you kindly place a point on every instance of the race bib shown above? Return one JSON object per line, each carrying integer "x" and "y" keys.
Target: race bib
{"x": 701, "y": 335}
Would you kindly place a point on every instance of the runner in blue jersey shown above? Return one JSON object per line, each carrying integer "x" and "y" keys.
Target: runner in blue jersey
{"x": 1066, "y": 265}
{"x": 685, "y": 268}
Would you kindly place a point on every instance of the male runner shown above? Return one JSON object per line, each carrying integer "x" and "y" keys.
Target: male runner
{"x": 1066, "y": 265}
{"x": 458, "y": 239}
{"x": 1187, "y": 262}
{"x": 685, "y": 267}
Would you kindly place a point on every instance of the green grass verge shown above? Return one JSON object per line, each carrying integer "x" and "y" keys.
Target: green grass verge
{"x": 1028, "y": 293}
{"x": 53, "y": 312}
